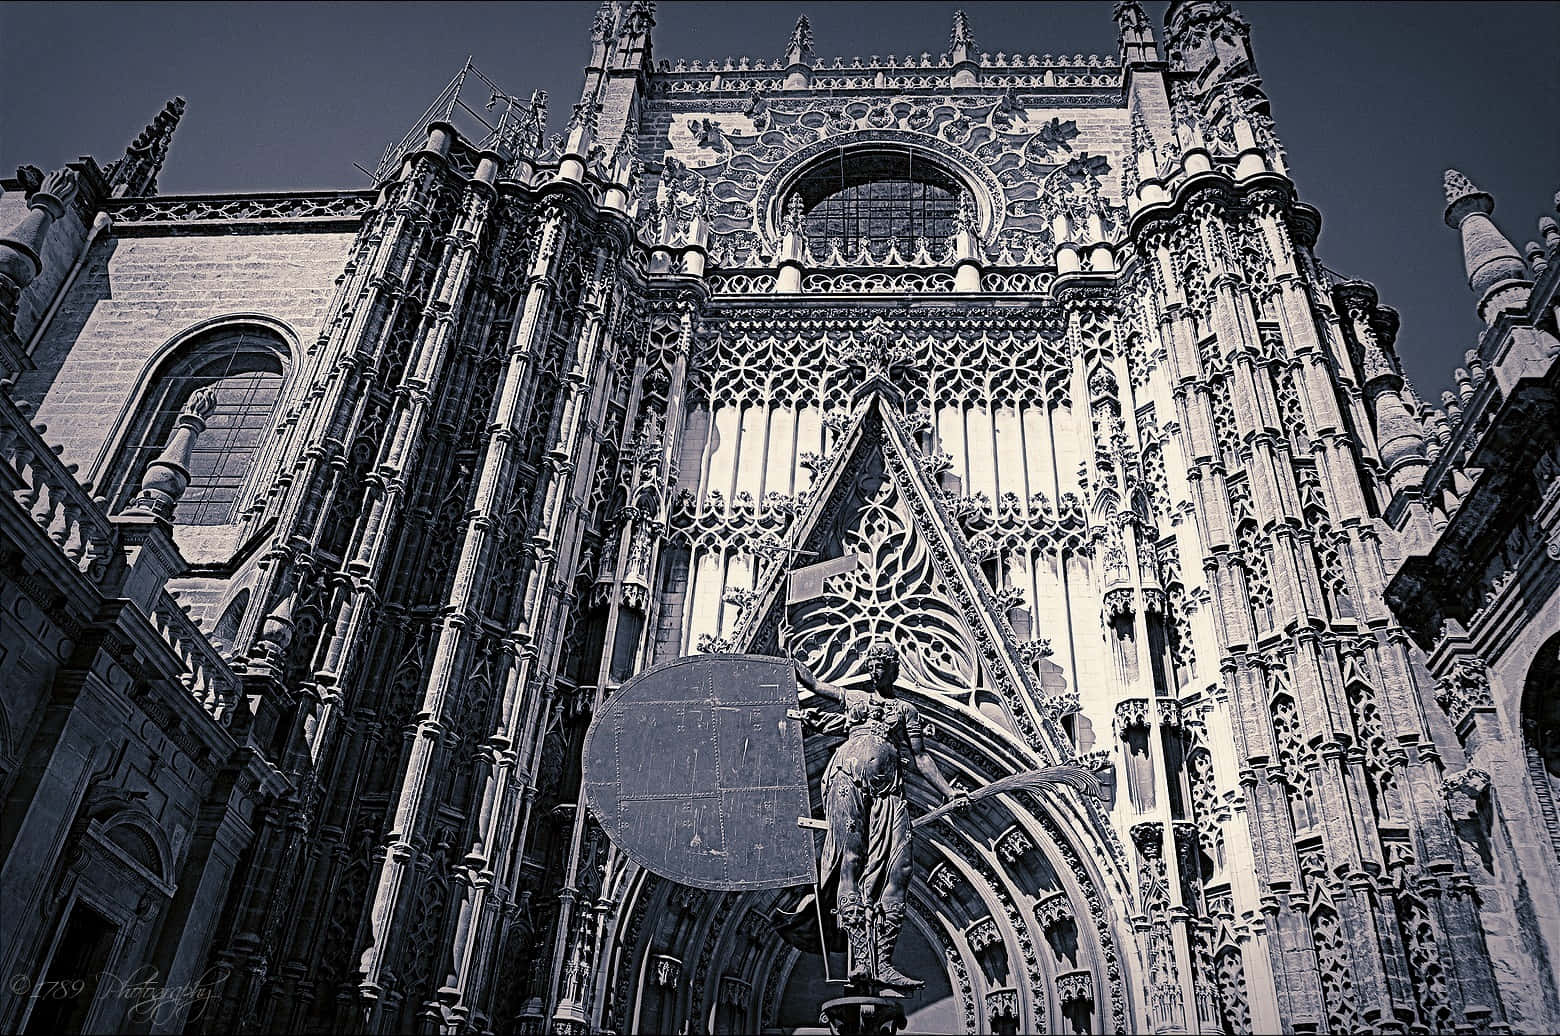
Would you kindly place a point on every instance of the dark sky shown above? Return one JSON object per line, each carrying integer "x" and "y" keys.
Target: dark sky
{"x": 1372, "y": 100}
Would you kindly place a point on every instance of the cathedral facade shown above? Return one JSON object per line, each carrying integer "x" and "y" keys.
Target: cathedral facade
{"x": 331, "y": 518}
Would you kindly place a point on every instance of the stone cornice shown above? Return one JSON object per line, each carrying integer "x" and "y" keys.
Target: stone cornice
{"x": 239, "y": 213}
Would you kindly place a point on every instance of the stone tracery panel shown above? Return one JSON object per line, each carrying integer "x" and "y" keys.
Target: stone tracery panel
{"x": 1011, "y": 153}
{"x": 894, "y": 593}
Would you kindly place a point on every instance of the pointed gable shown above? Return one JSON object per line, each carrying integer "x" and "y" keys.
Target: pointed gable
{"x": 917, "y": 584}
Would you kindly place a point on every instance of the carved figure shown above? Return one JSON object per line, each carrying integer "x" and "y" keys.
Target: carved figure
{"x": 867, "y": 851}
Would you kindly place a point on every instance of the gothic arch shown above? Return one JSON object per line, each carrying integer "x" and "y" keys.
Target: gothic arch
{"x": 992, "y": 896}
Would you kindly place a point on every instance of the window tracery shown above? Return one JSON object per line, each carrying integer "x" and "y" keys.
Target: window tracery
{"x": 1290, "y": 414}
{"x": 895, "y": 592}
{"x": 802, "y": 363}
{"x": 1417, "y": 930}
{"x": 244, "y": 365}
{"x": 1332, "y": 945}
{"x": 1293, "y": 758}
{"x": 1381, "y": 778}
{"x": 872, "y": 201}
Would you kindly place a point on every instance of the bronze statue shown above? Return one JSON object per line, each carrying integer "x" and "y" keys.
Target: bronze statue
{"x": 867, "y": 850}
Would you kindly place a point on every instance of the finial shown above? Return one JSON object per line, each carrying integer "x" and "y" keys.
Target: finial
{"x": 1496, "y": 272}
{"x": 53, "y": 190}
{"x": 1129, "y": 16}
{"x": 536, "y": 120}
{"x": 1452, "y": 404}
{"x": 793, "y": 221}
{"x": 168, "y": 476}
{"x": 602, "y": 23}
{"x": 276, "y": 631}
{"x": 962, "y": 35}
{"x": 1459, "y": 188}
{"x": 1550, "y": 231}
{"x": 135, "y": 175}
{"x": 22, "y": 245}
{"x": 799, "y": 48}
{"x": 640, "y": 20}
{"x": 1133, "y": 36}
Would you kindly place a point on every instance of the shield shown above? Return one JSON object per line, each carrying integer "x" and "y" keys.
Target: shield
{"x": 695, "y": 771}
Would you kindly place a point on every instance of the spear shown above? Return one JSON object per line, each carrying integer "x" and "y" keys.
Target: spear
{"x": 1075, "y": 777}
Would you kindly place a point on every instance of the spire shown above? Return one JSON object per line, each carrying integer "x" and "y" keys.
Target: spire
{"x": 135, "y": 175}
{"x": 962, "y": 37}
{"x": 1495, "y": 269}
{"x": 799, "y": 48}
{"x": 962, "y": 53}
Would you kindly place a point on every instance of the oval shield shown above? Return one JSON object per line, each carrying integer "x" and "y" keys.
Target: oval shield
{"x": 695, "y": 770}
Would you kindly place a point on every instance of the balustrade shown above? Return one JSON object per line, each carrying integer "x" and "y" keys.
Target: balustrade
{"x": 45, "y": 488}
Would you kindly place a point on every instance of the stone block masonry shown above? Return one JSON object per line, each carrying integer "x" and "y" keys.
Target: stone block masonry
{"x": 137, "y": 295}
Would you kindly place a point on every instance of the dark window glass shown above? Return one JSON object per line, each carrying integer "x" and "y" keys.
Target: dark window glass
{"x": 874, "y": 199}
{"x": 245, "y": 371}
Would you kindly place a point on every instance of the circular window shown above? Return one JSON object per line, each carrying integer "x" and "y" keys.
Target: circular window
{"x": 875, "y": 199}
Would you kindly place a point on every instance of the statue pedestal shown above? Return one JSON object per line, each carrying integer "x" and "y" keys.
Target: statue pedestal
{"x": 863, "y": 1016}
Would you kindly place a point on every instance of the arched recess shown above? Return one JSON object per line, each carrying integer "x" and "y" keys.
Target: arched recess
{"x": 1023, "y": 898}
{"x": 1541, "y": 734}
{"x": 112, "y": 817}
{"x": 225, "y": 632}
{"x": 246, "y": 359}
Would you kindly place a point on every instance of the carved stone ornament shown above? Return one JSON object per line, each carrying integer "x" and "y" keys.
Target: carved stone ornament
{"x": 1465, "y": 690}
{"x": 1075, "y": 987}
{"x": 665, "y": 970}
{"x": 1463, "y": 791}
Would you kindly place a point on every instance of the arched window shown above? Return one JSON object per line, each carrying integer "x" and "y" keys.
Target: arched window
{"x": 1541, "y": 734}
{"x": 873, "y": 198}
{"x": 243, "y": 363}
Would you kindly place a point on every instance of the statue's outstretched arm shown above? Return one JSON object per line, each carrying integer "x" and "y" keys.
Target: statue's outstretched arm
{"x": 804, "y": 675}
{"x": 926, "y": 764}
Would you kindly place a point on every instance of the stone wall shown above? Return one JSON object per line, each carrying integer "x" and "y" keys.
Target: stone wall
{"x": 136, "y": 294}
{"x": 128, "y": 790}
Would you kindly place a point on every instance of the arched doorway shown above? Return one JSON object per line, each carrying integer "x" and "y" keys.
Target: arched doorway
{"x": 1012, "y": 921}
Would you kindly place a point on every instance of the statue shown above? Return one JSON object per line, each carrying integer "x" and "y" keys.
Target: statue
{"x": 867, "y": 849}
{"x": 651, "y": 776}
